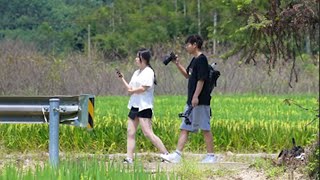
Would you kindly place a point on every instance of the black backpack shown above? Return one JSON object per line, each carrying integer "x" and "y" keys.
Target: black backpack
{"x": 213, "y": 76}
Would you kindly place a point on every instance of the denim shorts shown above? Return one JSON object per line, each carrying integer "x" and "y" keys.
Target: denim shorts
{"x": 200, "y": 119}
{"x": 134, "y": 112}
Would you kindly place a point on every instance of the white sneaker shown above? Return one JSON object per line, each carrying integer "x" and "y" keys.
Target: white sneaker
{"x": 172, "y": 158}
{"x": 209, "y": 159}
{"x": 128, "y": 160}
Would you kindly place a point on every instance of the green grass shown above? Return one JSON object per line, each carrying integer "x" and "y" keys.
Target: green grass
{"x": 268, "y": 167}
{"x": 82, "y": 169}
{"x": 240, "y": 123}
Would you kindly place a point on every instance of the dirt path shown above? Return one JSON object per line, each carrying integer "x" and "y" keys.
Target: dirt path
{"x": 229, "y": 165}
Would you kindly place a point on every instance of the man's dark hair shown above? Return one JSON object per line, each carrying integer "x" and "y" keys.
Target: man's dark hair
{"x": 192, "y": 39}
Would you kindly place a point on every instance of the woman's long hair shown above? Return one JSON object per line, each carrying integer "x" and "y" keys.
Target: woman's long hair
{"x": 146, "y": 55}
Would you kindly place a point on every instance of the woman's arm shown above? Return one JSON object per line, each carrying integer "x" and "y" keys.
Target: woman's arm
{"x": 131, "y": 90}
{"x": 120, "y": 75}
{"x": 138, "y": 90}
{"x": 125, "y": 83}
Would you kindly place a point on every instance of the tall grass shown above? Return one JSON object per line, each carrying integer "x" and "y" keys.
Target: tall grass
{"x": 240, "y": 123}
{"x": 74, "y": 74}
{"x": 83, "y": 169}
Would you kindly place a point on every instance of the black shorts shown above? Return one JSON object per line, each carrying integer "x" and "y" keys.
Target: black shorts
{"x": 146, "y": 113}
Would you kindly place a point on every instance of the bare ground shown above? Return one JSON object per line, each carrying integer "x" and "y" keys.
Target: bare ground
{"x": 230, "y": 166}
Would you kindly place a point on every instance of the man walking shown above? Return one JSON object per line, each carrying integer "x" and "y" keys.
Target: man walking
{"x": 198, "y": 99}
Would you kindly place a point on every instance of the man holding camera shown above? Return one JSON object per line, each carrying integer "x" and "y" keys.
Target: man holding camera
{"x": 198, "y": 101}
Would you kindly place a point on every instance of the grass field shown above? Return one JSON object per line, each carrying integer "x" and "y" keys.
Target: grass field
{"x": 240, "y": 123}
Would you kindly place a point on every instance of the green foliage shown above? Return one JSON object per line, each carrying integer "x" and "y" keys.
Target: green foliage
{"x": 279, "y": 30}
{"x": 117, "y": 27}
{"x": 51, "y": 25}
{"x": 241, "y": 3}
{"x": 252, "y": 24}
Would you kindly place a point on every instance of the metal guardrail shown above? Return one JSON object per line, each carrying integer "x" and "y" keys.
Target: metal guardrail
{"x": 74, "y": 110}
{"x": 71, "y": 110}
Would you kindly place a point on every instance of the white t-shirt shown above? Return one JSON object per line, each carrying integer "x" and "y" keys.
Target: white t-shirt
{"x": 142, "y": 78}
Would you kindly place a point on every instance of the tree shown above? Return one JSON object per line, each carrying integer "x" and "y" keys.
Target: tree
{"x": 278, "y": 29}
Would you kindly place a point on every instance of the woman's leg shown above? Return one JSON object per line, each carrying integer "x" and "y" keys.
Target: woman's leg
{"x": 131, "y": 132}
{"x": 146, "y": 127}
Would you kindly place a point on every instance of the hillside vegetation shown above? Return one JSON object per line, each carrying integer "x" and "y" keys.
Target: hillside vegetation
{"x": 72, "y": 47}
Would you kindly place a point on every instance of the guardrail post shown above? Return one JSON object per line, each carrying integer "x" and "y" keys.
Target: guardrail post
{"x": 54, "y": 131}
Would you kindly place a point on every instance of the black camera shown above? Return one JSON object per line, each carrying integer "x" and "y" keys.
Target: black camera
{"x": 186, "y": 115}
{"x": 169, "y": 58}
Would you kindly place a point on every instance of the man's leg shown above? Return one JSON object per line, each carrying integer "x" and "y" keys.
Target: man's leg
{"x": 182, "y": 139}
{"x": 204, "y": 114}
{"x": 175, "y": 157}
{"x": 208, "y": 138}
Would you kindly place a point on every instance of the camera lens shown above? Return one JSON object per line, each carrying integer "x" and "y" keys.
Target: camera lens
{"x": 167, "y": 59}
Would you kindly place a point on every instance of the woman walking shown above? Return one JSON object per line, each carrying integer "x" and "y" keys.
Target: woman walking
{"x": 141, "y": 89}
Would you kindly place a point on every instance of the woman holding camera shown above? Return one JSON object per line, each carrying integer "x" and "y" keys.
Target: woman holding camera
{"x": 141, "y": 89}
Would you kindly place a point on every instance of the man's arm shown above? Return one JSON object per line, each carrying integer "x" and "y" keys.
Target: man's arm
{"x": 181, "y": 69}
{"x": 195, "y": 98}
